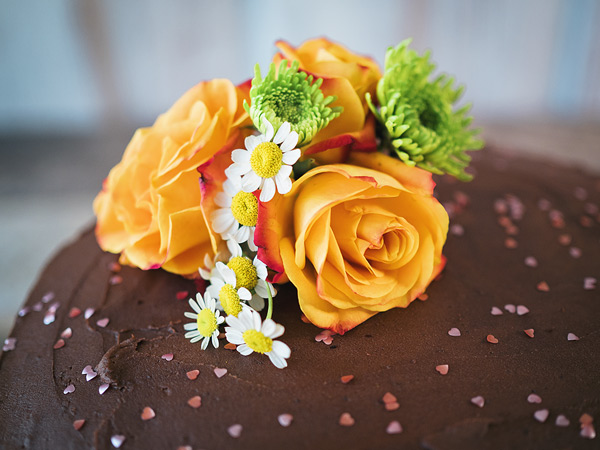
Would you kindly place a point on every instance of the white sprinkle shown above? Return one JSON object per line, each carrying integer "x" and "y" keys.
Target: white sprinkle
{"x": 562, "y": 421}
{"x": 510, "y": 308}
{"x": 572, "y": 337}
{"x": 53, "y": 307}
{"x": 23, "y": 312}
{"x": 522, "y": 310}
{"x": 67, "y": 333}
{"x": 167, "y": 356}
{"x": 70, "y": 388}
{"x": 530, "y": 261}
{"x": 478, "y": 401}
{"x": 454, "y": 332}
{"x": 103, "y": 387}
{"x": 496, "y": 311}
{"x": 575, "y": 252}
{"x": 589, "y": 283}
{"x": 9, "y": 344}
{"x": 588, "y": 431}
{"x": 534, "y": 398}
{"x": 117, "y": 440}
{"x": 541, "y": 415}
{"x": 235, "y": 431}
{"x": 48, "y": 296}
{"x": 285, "y": 420}
{"x": 89, "y": 313}
{"x": 49, "y": 318}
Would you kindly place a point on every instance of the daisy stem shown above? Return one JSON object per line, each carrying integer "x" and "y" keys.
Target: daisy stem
{"x": 270, "y": 307}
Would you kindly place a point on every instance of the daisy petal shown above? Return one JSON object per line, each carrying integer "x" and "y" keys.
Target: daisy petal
{"x": 279, "y": 330}
{"x": 285, "y": 170}
{"x": 244, "y": 349}
{"x": 235, "y": 337}
{"x": 282, "y": 133}
{"x": 257, "y": 302}
{"x": 215, "y": 340}
{"x": 291, "y": 157}
{"x": 251, "y": 245}
{"x": 281, "y": 349}
{"x": 268, "y": 327}
{"x": 277, "y": 361}
{"x": 290, "y": 142}
{"x": 284, "y": 184}
{"x": 250, "y": 143}
{"x": 190, "y": 315}
{"x": 190, "y": 326}
{"x": 268, "y": 190}
{"x": 222, "y": 220}
{"x": 244, "y": 293}
{"x": 251, "y": 182}
{"x": 223, "y": 200}
{"x": 237, "y": 170}
{"x": 240, "y": 156}
{"x": 205, "y": 342}
{"x": 194, "y": 305}
{"x": 269, "y": 131}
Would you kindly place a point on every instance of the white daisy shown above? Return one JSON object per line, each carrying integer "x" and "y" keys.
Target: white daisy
{"x": 207, "y": 322}
{"x": 250, "y": 335}
{"x": 223, "y": 287}
{"x": 209, "y": 268}
{"x": 237, "y": 217}
{"x": 266, "y": 162}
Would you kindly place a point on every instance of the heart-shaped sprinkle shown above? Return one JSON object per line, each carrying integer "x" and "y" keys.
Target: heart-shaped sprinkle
{"x": 541, "y": 415}
{"x": 117, "y": 440}
{"x": 572, "y": 337}
{"x": 48, "y": 297}
{"x": 454, "y": 332}
{"x": 114, "y": 266}
{"x": 442, "y": 369}
{"x": 457, "y": 229}
{"x": 542, "y": 286}
{"x": 102, "y": 322}
{"x": 534, "y": 398}
{"x": 115, "y": 280}
{"x": 230, "y": 346}
{"x": 89, "y": 312}
{"x": 491, "y": 339}
{"x": 522, "y": 310}
{"x": 87, "y": 369}
{"x": 392, "y": 406}
{"x": 496, "y": 311}
{"x": 148, "y": 413}
{"x": 184, "y": 447}
{"x": 9, "y": 344}
{"x": 544, "y": 204}
{"x": 181, "y": 295}
{"x": 37, "y": 307}
{"x": 394, "y": 427}
{"x": 49, "y": 317}
{"x": 389, "y": 398}
{"x": 59, "y": 344}
{"x": 77, "y": 424}
{"x": 530, "y": 261}
{"x": 285, "y": 420}
{"x": 167, "y": 356}
{"x": 529, "y": 332}
{"x": 510, "y": 308}
{"x": 70, "y": 388}
{"x": 575, "y": 252}
{"x": 562, "y": 421}
{"x": 588, "y": 431}
{"x": 324, "y": 336}
{"x": 103, "y": 387}
{"x": 586, "y": 419}
{"x": 510, "y": 243}
{"x": 67, "y": 333}
{"x": 589, "y": 283}
{"x": 24, "y": 311}
{"x": 220, "y": 372}
{"x": 564, "y": 239}
{"x": 423, "y": 297}
{"x": 347, "y": 379}
{"x": 346, "y": 420}
{"x": 478, "y": 401}
{"x": 195, "y": 402}
{"x": 235, "y": 431}
{"x": 90, "y": 376}
{"x": 193, "y": 374}
{"x": 74, "y": 312}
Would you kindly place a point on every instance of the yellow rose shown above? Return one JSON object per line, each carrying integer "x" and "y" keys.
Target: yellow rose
{"x": 349, "y": 77}
{"x": 355, "y": 239}
{"x": 149, "y": 207}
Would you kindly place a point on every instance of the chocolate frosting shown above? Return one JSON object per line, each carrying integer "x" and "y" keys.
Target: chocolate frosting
{"x": 514, "y": 209}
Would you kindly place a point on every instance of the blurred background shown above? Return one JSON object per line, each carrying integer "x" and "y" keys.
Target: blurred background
{"x": 77, "y": 77}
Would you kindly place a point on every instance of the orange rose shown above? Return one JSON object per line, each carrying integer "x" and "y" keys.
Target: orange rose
{"x": 349, "y": 77}
{"x": 149, "y": 207}
{"x": 355, "y": 239}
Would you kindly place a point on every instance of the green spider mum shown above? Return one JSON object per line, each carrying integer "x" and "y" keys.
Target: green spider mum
{"x": 418, "y": 116}
{"x": 287, "y": 95}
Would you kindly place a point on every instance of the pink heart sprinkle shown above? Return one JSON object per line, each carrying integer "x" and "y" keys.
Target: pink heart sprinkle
{"x": 219, "y": 372}
{"x": 114, "y": 266}
{"x": 285, "y": 420}
{"x": 392, "y": 406}
{"x": 167, "y": 356}
{"x": 529, "y": 332}
{"x": 522, "y": 310}
{"x": 478, "y": 401}
{"x": 48, "y": 296}
{"x": 53, "y": 307}
{"x": 575, "y": 252}
{"x": 37, "y": 307}
{"x": 588, "y": 431}
{"x": 562, "y": 421}
{"x": 148, "y": 413}
{"x": 103, "y": 387}
{"x": 115, "y": 279}
{"x": 181, "y": 295}
{"x": 454, "y": 332}
{"x": 394, "y": 427}
{"x": 457, "y": 229}
{"x": 541, "y": 415}
{"x": 193, "y": 374}
{"x": 74, "y": 313}
{"x": 67, "y": 333}
{"x": 347, "y": 378}
{"x": 77, "y": 424}
{"x": 510, "y": 308}
{"x": 491, "y": 339}
{"x": 324, "y": 336}
{"x": 117, "y": 440}
{"x": 589, "y": 283}
{"x": 572, "y": 337}
{"x": 543, "y": 286}
{"x": 346, "y": 420}
{"x": 510, "y": 243}
{"x": 534, "y": 398}
{"x": 184, "y": 447}
{"x": 586, "y": 419}
{"x": 70, "y": 388}
{"x": 102, "y": 322}
{"x": 59, "y": 344}
{"x": 195, "y": 402}
{"x": 9, "y": 344}
{"x": 442, "y": 369}
{"x": 389, "y": 398}
{"x": 235, "y": 431}
{"x": 496, "y": 311}
{"x": 89, "y": 312}
{"x": 530, "y": 261}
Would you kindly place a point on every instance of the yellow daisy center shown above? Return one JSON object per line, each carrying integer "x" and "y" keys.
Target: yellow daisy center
{"x": 258, "y": 341}
{"x": 245, "y": 272}
{"x": 266, "y": 159}
{"x": 230, "y": 300}
{"x": 244, "y": 207}
{"x": 207, "y": 322}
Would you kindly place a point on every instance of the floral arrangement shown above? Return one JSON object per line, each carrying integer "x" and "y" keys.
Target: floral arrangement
{"x": 317, "y": 173}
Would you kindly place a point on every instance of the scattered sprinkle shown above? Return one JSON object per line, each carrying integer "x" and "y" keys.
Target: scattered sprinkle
{"x": 304, "y": 319}
{"x": 575, "y": 252}
{"x": 478, "y": 401}
{"x": 510, "y": 243}
{"x": 103, "y": 387}
{"x": 89, "y": 312}
{"x": 77, "y": 424}
{"x": 346, "y": 420}
{"x": 588, "y": 431}
{"x": 285, "y": 420}
{"x": 500, "y": 206}
{"x": 9, "y": 344}
{"x": 347, "y": 379}
{"x": 102, "y": 322}
{"x": 541, "y": 415}
{"x": 510, "y": 308}
{"x": 580, "y": 193}
{"x": 543, "y": 286}
{"x": 388, "y": 397}
{"x": 89, "y": 373}
{"x": 530, "y": 261}
{"x": 442, "y": 369}
{"x": 562, "y": 421}
{"x": 48, "y": 297}
{"x": 496, "y": 311}
{"x": 586, "y": 419}
{"x": 529, "y": 332}
{"x": 235, "y": 431}
{"x": 455, "y": 332}
{"x": 491, "y": 339}
{"x": 181, "y": 295}
{"x": 392, "y": 406}
{"x": 423, "y": 297}
{"x": 394, "y": 427}
{"x": 591, "y": 209}
{"x": 457, "y": 229}
{"x": 534, "y": 398}
{"x": 114, "y": 267}
{"x": 74, "y": 312}
{"x": 59, "y": 344}
{"x": 565, "y": 239}
{"x": 586, "y": 221}
{"x": 193, "y": 374}
{"x": 70, "y": 388}
{"x": 522, "y": 310}
{"x": 184, "y": 447}
{"x": 572, "y": 337}
{"x": 512, "y": 230}
{"x": 38, "y": 307}
{"x": 115, "y": 279}
{"x": 544, "y": 204}
{"x": 220, "y": 372}
{"x": 195, "y": 401}
{"x": 49, "y": 317}
{"x": 117, "y": 440}
{"x": 148, "y": 413}
{"x": 325, "y": 336}
{"x": 505, "y": 221}
{"x": 24, "y": 311}
{"x": 167, "y": 356}
{"x": 589, "y": 283}
{"x": 230, "y": 346}
{"x": 67, "y": 333}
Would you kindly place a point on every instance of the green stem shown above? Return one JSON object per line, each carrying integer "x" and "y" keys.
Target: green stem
{"x": 270, "y": 308}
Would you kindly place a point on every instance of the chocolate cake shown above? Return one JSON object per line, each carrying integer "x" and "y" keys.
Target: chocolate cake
{"x": 503, "y": 350}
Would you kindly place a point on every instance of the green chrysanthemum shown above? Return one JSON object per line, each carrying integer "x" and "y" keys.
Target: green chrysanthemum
{"x": 418, "y": 115}
{"x": 287, "y": 95}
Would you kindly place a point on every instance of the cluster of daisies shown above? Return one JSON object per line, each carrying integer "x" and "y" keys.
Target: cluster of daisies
{"x": 238, "y": 285}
